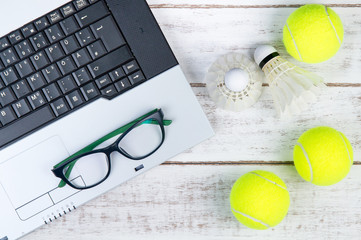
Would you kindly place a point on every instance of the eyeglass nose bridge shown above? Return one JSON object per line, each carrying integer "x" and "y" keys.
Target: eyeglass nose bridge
{"x": 114, "y": 147}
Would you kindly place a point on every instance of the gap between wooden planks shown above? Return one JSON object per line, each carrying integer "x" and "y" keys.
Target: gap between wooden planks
{"x": 237, "y": 163}
{"x": 245, "y": 6}
{"x": 266, "y": 85}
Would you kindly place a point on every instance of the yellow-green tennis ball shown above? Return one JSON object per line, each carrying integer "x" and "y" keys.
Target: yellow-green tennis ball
{"x": 323, "y": 156}
{"x": 313, "y": 33}
{"x": 259, "y": 199}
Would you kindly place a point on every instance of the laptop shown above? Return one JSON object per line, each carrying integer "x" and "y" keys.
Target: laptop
{"x": 72, "y": 72}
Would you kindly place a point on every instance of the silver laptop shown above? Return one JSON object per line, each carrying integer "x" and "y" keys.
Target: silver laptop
{"x": 70, "y": 73}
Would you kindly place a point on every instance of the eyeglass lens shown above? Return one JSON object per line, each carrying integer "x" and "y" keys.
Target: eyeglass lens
{"x": 93, "y": 168}
{"x": 142, "y": 140}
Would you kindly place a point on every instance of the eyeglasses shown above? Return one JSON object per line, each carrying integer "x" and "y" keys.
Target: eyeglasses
{"x": 138, "y": 140}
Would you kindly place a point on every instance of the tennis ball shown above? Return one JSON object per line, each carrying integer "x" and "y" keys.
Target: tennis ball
{"x": 323, "y": 156}
{"x": 313, "y": 33}
{"x": 259, "y": 200}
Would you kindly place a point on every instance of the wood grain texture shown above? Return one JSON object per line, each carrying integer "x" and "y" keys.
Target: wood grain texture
{"x": 199, "y": 36}
{"x": 191, "y": 202}
{"x": 249, "y": 3}
{"x": 256, "y": 134}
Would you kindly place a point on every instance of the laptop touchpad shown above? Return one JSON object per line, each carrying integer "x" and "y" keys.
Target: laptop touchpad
{"x": 28, "y": 177}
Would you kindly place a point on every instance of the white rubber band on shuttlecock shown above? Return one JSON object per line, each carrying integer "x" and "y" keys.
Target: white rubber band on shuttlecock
{"x": 333, "y": 26}
{"x": 308, "y": 159}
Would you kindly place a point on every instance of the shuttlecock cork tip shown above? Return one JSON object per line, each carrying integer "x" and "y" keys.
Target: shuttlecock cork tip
{"x": 264, "y": 54}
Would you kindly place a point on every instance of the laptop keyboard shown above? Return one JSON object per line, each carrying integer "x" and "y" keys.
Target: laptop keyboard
{"x": 59, "y": 63}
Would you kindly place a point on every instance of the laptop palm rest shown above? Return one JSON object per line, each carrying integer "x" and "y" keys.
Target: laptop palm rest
{"x": 29, "y": 182}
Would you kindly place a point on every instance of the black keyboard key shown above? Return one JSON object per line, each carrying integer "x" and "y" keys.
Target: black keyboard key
{"x": 81, "y": 76}
{"x": 109, "y": 91}
{"x": 74, "y": 99}
{"x": 59, "y": 107}
{"x": 66, "y": 65}
{"x": 51, "y": 92}
{"x": 39, "y": 60}
{"x": 6, "y": 116}
{"x": 25, "y": 125}
{"x": 36, "y": 100}
{"x": 54, "y": 52}
{"x": 36, "y": 81}
{"x": 91, "y": 14}
{"x": 15, "y": 37}
{"x": 69, "y": 25}
{"x": 136, "y": 78}
{"x": 67, "y": 84}
{"x": 41, "y": 23}
{"x": 107, "y": 30}
{"x": 117, "y": 74}
{"x": 51, "y": 73}
{"x": 55, "y": 17}
{"x": 28, "y": 30}
{"x": 97, "y": 49}
{"x": 39, "y": 41}
{"x": 130, "y": 67}
{"x": 54, "y": 33}
{"x": 68, "y": 10}
{"x": 21, "y": 108}
{"x": 24, "y": 49}
{"x": 92, "y": 1}
{"x": 4, "y": 43}
{"x": 81, "y": 57}
{"x": 24, "y": 68}
{"x": 122, "y": 85}
{"x": 21, "y": 89}
{"x": 70, "y": 44}
{"x": 1, "y": 85}
{"x": 9, "y": 57}
{"x": 80, "y": 4}
{"x": 84, "y": 37}
{"x": 110, "y": 61}
{"x": 6, "y": 97}
{"x": 89, "y": 91}
{"x": 103, "y": 81}
{"x": 1, "y": 66}
{"x": 9, "y": 76}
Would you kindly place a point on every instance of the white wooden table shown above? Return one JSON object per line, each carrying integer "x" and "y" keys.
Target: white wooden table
{"x": 187, "y": 197}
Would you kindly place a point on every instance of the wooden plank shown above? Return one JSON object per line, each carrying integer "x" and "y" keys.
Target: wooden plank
{"x": 180, "y": 202}
{"x": 246, "y": 3}
{"x": 256, "y": 134}
{"x": 199, "y": 36}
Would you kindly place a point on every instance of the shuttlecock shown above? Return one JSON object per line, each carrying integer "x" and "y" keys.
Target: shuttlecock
{"x": 234, "y": 82}
{"x": 292, "y": 88}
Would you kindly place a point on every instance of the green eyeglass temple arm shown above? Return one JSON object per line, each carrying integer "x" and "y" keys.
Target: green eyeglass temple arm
{"x": 103, "y": 139}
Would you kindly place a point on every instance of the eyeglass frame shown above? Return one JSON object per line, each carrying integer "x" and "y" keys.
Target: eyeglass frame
{"x": 154, "y": 117}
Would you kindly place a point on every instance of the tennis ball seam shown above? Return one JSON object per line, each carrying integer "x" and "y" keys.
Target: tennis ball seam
{"x": 268, "y": 180}
{"x": 252, "y": 218}
{"x": 308, "y": 159}
{"x": 348, "y": 152}
{"x": 294, "y": 41}
{"x": 333, "y": 27}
